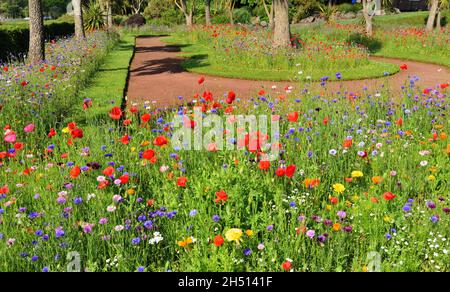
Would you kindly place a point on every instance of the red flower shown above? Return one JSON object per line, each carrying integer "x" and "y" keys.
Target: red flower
{"x": 24, "y": 83}
{"x": 292, "y": 117}
{"x": 125, "y": 140}
{"x": 115, "y": 113}
{"x": 334, "y": 200}
{"x": 148, "y": 154}
{"x": 201, "y": 80}
{"x": 231, "y": 97}
{"x": 404, "y": 67}
{"x": 77, "y": 133}
{"x": 160, "y": 141}
{"x": 218, "y": 240}
{"x": 208, "y": 96}
{"x": 221, "y": 196}
{"x": 399, "y": 122}
{"x": 347, "y": 143}
{"x": 127, "y": 122}
{"x": 145, "y": 118}
{"x": 389, "y": 196}
{"x": 261, "y": 92}
{"x": 4, "y": 190}
{"x": 6, "y": 69}
{"x": 290, "y": 170}
{"x": 181, "y": 181}
{"x": 75, "y": 172}
{"x": 18, "y": 146}
{"x": 124, "y": 179}
{"x": 109, "y": 171}
{"x": 444, "y": 85}
{"x": 325, "y": 121}
{"x": 280, "y": 172}
{"x": 286, "y": 266}
{"x": 264, "y": 165}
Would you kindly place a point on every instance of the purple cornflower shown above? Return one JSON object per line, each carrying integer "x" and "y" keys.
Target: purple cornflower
{"x": 247, "y": 251}
{"x": 216, "y": 218}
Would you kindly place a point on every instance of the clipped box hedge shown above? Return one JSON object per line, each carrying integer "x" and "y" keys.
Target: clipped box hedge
{"x": 14, "y": 38}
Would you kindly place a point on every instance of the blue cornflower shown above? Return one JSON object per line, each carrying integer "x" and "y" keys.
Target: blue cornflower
{"x": 216, "y": 218}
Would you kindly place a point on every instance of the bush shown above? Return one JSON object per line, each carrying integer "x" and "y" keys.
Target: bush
{"x": 14, "y": 39}
{"x": 136, "y": 20}
{"x": 242, "y": 15}
{"x": 220, "y": 18}
{"x": 372, "y": 44}
{"x": 303, "y": 9}
{"x": 347, "y": 7}
{"x": 93, "y": 16}
{"x": 163, "y": 13}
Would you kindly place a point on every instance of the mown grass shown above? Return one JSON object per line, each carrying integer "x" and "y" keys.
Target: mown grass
{"x": 198, "y": 61}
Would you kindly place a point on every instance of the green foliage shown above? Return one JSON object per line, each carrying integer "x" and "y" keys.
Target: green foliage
{"x": 347, "y": 7}
{"x": 163, "y": 12}
{"x": 14, "y": 38}
{"x": 242, "y": 15}
{"x": 303, "y": 8}
{"x": 93, "y": 16}
{"x": 371, "y": 43}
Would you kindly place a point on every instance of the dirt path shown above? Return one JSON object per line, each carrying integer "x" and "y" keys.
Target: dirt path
{"x": 156, "y": 76}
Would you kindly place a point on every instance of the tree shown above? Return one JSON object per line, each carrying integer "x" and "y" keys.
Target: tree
{"x": 229, "y": 6}
{"x": 135, "y": 5}
{"x": 208, "y": 12}
{"x": 443, "y": 5}
{"x": 434, "y": 6}
{"x": 78, "y": 19}
{"x": 188, "y": 14}
{"x": 36, "y": 51}
{"x": 369, "y": 13}
{"x": 282, "y": 31}
{"x": 270, "y": 13}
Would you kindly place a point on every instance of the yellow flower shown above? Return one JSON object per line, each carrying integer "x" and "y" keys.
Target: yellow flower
{"x": 249, "y": 232}
{"x": 131, "y": 192}
{"x": 431, "y": 178}
{"x": 387, "y": 219}
{"x": 133, "y": 149}
{"x": 339, "y": 188}
{"x": 336, "y": 226}
{"x": 66, "y": 130}
{"x": 348, "y": 203}
{"x": 355, "y": 198}
{"x": 328, "y": 207}
{"x": 357, "y": 173}
{"x": 145, "y": 143}
{"x": 365, "y": 269}
{"x": 234, "y": 234}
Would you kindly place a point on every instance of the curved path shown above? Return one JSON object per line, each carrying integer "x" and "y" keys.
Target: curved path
{"x": 156, "y": 76}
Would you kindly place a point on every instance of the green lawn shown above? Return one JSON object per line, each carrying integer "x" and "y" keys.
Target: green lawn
{"x": 402, "y": 19}
{"x": 197, "y": 61}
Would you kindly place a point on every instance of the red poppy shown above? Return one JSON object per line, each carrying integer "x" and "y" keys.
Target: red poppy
{"x": 145, "y": 118}
{"x": 261, "y": 92}
{"x": 181, "y": 181}
{"x": 444, "y": 85}
{"x": 347, "y": 143}
{"x": 231, "y": 97}
{"x": 290, "y": 170}
{"x": 292, "y": 117}
{"x": 148, "y": 154}
{"x": 109, "y": 171}
{"x": 280, "y": 172}
{"x": 24, "y": 83}
{"x": 221, "y": 196}
{"x": 389, "y": 196}
{"x": 264, "y": 165}
{"x": 201, "y": 80}
{"x": 77, "y": 133}
{"x": 71, "y": 126}
{"x": 18, "y": 146}
{"x": 75, "y": 172}
{"x": 404, "y": 67}
{"x": 6, "y": 69}
{"x": 334, "y": 200}
{"x": 125, "y": 140}
{"x": 218, "y": 240}
{"x": 115, "y": 113}
{"x": 160, "y": 141}
{"x": 286, "y": 266}
{"x": 399, "y": 122}
{"x": 325, "y": 121}
{"x": 208, "y": 96}
{"x": 4, "y": 190}
{"x": 124, "y": 179}
{"x": 127, "y": 122}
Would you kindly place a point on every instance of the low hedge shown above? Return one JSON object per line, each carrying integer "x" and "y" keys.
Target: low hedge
{"x": 14, "y": 38}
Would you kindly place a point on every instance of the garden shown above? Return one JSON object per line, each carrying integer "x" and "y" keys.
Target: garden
{"x": 225, "y": 136}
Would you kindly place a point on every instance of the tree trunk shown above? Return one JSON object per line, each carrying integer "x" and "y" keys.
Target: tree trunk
{"x": 270, "y": 15}
{"x": 230, "y": 16}
{"x": 189, "y": 18}
{"x": 78, "y": 19}
{"x": 208, "y": 12}
{"x": 282, "y": 32}
{"x": 110, "y": 20}
{"x": 36, "y": 51}
{"x": 438, "y": 20}
{"x": 367, "y": 18}
{"x": 432, "y": 15}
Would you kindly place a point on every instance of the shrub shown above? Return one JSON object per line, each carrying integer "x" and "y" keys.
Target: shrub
{"x": 370, "y": 43}
{"x": 93, "y": 16}
{"x": 242, "y": 15}
{"x": 135, "y": 21}
{"x": 347, "y": 7}
{"x": 14, "y": 39}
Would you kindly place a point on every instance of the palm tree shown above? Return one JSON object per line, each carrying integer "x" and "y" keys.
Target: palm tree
{"x": 78, "y": 19}
{"x": 282, "y": 30}
{"x": 36, "y": 51}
